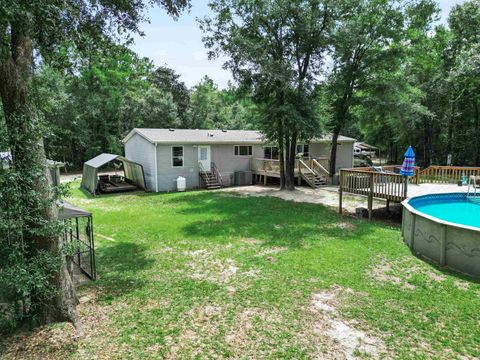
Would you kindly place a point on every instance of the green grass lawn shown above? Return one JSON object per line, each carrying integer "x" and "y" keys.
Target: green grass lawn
{"x": 215, "y": 275}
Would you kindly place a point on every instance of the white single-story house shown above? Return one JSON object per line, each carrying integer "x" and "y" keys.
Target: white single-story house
{"x": 213, "y": 158}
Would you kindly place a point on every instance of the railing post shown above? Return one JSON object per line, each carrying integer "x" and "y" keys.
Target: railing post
{"x": 370, "y": 198}
{"x": 299, "y": 173}
{"x": 340, "y": 192}
{"x": 264, "y": 172}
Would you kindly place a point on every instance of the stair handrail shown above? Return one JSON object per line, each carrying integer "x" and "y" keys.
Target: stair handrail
{"x": 320, "y": 166}
{"x": 201, "y": 168}
{"x": 302, "y": 163}
{"x": 201, "y": 173}
{"x": 217, "y": 173}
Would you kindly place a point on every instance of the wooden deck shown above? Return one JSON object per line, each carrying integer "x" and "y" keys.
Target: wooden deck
{"x": 392, "y": 186}
{"x": 262, "y": 169}
{"x": 386, "y": 185}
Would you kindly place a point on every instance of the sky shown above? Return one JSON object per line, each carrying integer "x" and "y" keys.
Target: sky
{"x": 178, "y": 43}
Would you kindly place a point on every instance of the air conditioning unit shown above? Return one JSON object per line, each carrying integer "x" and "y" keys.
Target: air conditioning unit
{"x": 242, "y": 178}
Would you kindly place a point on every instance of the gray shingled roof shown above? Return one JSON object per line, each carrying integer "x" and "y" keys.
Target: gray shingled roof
{"x": 191, "y": 136}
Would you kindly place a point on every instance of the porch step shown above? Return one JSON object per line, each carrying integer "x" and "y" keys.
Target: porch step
{"x": 210, "y": 180}
{"x": 314, "y": 180}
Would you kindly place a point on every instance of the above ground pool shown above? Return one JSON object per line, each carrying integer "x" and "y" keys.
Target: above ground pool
{"x": 444, "y": 228}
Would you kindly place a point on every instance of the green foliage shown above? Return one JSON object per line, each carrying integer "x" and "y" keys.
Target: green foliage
{"x": 277, "y": 50}
{"x": 431, "y": 100}
{"x": 27, "y": 266}
{"x": 89, "y": 112}
{"x": 168, "y": 81}
{"x": 211, "y": 108}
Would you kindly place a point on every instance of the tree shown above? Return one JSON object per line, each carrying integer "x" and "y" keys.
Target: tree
{"x": 364, "y": 40}
{"x": 48, "y": 31}
{"x": 168, "y": 81}
{"x": 276, "y": 49}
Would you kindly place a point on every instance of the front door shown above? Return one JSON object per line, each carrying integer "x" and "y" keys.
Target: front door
{"x": 204, "y": 156}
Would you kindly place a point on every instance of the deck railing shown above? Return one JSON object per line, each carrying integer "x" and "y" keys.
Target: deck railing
{"x": 373, "y": 184}
{"x": 446, "y": 174}
{"x": 273, "y": 166}
{"x": 267, "y": 165}
{"x": 382, "y": 185}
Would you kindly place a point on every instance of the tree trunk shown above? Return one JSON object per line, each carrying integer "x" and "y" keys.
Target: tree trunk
{"x": 477, "y": 132}
{"x": 333, "y": 151}
{"x": 288, "y": 180}
{"x": 26, "y": 145}
{"x": 450, "y": 131}
{"x": 290, "y": 151}
{"x": 427, "y": 146}
{"x": 281, "y": 154}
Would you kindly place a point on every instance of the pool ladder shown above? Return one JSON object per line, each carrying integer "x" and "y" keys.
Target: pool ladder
{"x": 472, "y": 195}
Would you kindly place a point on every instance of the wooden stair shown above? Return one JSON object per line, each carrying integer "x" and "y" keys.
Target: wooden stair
{"x": 210, "y": 180}
{"x": 313, "y": 178}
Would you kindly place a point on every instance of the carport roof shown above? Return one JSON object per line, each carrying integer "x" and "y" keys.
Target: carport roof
{"x": 103, "y": 159}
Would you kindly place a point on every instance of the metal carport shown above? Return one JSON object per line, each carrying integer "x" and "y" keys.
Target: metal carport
{"x": 132, "y": 171}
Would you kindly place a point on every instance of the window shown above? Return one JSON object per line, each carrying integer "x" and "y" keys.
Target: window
{"x": 203, "y": 154}
{"x": 303, "y": 149}
{"x": 177, "y": 156}
{"x": 242, "y": 150}
{"x": 270, "y": 152}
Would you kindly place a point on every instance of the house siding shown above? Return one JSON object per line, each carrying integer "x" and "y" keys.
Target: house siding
{"x": 142, "y": 151}
{"x": 221, "y": 154}
{"x": 227, "y": 163}
{"x": 167, "y": 174}
{"x": 344, "y": 153}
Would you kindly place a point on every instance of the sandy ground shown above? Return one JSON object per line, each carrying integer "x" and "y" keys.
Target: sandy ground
{"x": 328, "y": 195}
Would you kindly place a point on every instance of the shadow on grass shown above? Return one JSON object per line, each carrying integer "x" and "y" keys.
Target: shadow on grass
{"x": 123, "y": 264}
{"x": 274, "y": 221}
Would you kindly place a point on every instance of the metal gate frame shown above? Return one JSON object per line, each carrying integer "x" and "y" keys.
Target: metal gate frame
{"x": 86, "y": 249}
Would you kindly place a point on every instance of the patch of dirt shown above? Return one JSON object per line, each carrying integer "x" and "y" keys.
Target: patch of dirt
{"x": 197, "y": 325}
{"x": 326, "y": 196}
{"x": 58, "y": 341}
{"x": 251, "y": 241}
{"x": 271, "y": 251}
{"x": 205, "y": 266}
{"x": 462, "y": 285}
{"x": 383, "y": 272}
{"x": 400, "y": 271}
{"x": 436, "y": 277}
{"x": 105, "y": 237}
{"x": 343, "y": 339}
{"x": 251, "y": 331}
{"x": 345, "y": 226}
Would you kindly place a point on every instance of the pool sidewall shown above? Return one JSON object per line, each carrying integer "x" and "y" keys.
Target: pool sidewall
{"x": 449, "y": 244}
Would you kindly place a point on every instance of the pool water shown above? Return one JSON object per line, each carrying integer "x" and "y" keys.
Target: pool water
{"x": 458, "y": 210}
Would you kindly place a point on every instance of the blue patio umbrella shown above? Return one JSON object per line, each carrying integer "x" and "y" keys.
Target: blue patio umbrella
{"x": 408, "y": 163}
